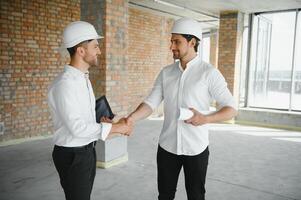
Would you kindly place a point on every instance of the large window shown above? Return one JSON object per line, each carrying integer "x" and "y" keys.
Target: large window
{"x": 275, "y": 68}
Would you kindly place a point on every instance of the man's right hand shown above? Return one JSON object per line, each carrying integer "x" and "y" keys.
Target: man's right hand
{"x": 123, "y": 127}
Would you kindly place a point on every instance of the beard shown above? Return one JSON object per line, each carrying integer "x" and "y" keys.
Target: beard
{"x": 178, "y": 54}
{"x": 93, "y": 62}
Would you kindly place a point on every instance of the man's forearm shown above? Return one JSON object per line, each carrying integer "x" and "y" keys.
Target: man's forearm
{"x": 141, "y": 112}
{"x": 121, "y": 127}
{"x": 226, "y": 113}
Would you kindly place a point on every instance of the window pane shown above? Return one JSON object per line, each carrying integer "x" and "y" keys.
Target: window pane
{"x": 279, "y": 85}
{"x": 296, "y": 97}
{"x": 252, "y": 66}
{"x": 272, "y": 64}
{"x": 259, "y": 63}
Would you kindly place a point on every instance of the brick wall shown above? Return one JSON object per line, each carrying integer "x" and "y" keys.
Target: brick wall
{"x": 135, "y": 48}
{"x": 30, "y": 35}
{"x": 229, "y": 48}
{"x": 116, "y": 48}
{"x": 149, "y": 40}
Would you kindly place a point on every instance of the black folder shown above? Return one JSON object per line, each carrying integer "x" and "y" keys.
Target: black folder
{"x": 103, "y": 108}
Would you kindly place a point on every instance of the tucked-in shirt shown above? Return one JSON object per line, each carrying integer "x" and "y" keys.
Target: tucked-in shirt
{"x": 72, "y": 105}
{"x": 195, "y": 87}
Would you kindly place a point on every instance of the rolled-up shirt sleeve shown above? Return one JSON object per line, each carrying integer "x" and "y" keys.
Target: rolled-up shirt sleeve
{"x": 67, "y": 107}
{"x": 155, "y": 97}
{"x": 219, "y": 91}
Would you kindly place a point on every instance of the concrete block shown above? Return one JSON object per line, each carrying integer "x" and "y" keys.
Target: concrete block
{"x": 269, "y": 118}
{"x": 111, "y": 152}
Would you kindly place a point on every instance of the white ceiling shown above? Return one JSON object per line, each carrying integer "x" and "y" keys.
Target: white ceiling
{"x": 207, "y": 11}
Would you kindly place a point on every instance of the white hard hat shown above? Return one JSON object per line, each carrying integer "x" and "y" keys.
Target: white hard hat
{"x": 187, "y": 26}
{"x": 77, "y": 32}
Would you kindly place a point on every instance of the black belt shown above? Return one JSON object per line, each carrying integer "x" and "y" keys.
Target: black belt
{"x": 80, "y": 148}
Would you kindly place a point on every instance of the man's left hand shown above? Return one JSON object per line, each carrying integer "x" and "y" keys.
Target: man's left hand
{"x": 197, "y": 119}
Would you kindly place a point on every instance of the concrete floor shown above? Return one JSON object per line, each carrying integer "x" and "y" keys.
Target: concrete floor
{"x": 246, "y": 163}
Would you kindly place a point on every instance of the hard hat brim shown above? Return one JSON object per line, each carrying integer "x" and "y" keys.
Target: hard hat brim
{"x": 82, "y": 39}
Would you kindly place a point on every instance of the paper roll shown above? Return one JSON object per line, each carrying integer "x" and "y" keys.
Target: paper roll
{"x": 185, "y": 114}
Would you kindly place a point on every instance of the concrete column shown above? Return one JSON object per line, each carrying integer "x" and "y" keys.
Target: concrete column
{"x": 229, "y": 48}
{"x": 110, "y": 17}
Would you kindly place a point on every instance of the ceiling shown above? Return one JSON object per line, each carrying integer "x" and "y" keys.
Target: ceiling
{"x": 207, "y": 11}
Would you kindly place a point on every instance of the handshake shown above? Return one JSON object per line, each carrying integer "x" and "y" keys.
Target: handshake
{"x": 123, "y": 126}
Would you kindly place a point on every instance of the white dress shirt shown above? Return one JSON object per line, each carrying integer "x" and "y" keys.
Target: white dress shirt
{"x": 72, "y": 106}
{"x": 195, "y": 87}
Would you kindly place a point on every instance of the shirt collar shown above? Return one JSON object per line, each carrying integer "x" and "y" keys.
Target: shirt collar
{"x": 74, "y": 71}
{"x": 190, "y": 63}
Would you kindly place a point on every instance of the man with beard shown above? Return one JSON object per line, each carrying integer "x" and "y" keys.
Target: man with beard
{"x": 190, "y": 85}
{"x": 72, "y": 106}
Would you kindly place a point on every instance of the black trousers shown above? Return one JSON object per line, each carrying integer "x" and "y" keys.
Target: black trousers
{"x": 169, "y": 166}
{"x": 76, "y": 168}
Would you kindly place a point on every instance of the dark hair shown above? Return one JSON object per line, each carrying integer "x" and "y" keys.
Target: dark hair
{"x": 72, "y": 50}
{"x": 189, "y": 37}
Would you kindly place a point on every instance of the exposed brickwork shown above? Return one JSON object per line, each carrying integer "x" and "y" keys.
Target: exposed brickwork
{"x": 135, "y": 48}
{"x": 116, "y": 47}
{"x": 30, "y": 36}
{"x": 149, "y": 40}
{"x": 230, "y": 35}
